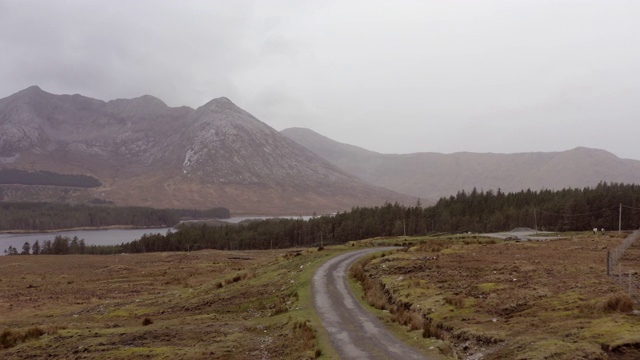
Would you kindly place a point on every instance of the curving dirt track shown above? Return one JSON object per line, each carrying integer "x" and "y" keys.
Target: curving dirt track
{"x": 354, "y": 332}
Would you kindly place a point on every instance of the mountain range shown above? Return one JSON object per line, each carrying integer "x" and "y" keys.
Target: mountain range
{"x": 145, "y": 153}
{"x": 430, "y": 176}
{"x": 142, "y": 152}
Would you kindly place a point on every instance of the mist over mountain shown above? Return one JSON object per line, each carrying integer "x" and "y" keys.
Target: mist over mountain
{"x": 430, "y": 176}
{"x": 146, "y": 153}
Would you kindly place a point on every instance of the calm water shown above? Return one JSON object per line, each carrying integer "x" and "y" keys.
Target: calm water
{"x": 238, "y": 219}
{"x": 101, "y": 237}
{"x": 91, "y": 237}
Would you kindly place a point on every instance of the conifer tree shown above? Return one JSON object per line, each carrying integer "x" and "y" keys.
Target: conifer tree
{"x": 26, "y": 249}
{"x": 35, "y": 249}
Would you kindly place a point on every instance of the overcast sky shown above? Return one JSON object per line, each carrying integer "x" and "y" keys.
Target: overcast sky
{"x": 390, "y": 76}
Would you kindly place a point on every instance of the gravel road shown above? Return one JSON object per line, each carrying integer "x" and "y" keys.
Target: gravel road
{"x": 355, "y": 333}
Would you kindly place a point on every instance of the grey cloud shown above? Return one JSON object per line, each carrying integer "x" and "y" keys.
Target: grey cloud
{"x": 392, "y": 77}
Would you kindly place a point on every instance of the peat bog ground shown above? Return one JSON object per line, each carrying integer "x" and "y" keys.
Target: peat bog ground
{"x": 483, "y": 298}
{"x": 199, "y": 305}
{"x": 464, "y": 295}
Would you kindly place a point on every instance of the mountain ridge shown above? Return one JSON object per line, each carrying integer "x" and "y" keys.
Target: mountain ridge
{"x": 430, "y": 175}
{"x": 147, "y": 153}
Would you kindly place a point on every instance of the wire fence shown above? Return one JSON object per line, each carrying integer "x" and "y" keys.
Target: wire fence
{"x": 625, "y": 277}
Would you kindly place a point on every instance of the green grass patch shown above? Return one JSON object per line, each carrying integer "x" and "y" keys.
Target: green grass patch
{"x": 402, "y": 327}
{"x": 489, "y": 287}
{"x": 615, "y": 331}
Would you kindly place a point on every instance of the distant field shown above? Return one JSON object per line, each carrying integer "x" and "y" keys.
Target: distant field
{"x": 487, "y": 299}
{"x": 199, "y": 305}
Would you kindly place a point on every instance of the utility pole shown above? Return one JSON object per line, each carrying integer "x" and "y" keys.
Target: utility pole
{"x": 404, "y": 228}
{"x": 620, "y": 220}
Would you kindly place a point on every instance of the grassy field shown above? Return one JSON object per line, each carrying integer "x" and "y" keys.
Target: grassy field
{"x": 487, "y": 299}
{"x": 464, "y": 296}
{"x": 205, "y": 304}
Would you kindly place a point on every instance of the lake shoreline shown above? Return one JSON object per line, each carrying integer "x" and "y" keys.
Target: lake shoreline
{"x": 234, "y": 220}
{"x": 85, "y": 228}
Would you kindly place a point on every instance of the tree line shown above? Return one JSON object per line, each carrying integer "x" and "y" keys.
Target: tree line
{"x": 20, "y": 177}
{"x": 39, "y": 216}
{"x": 62, "y": 245}
{"x": 560, "y": 210}
{"x": 475, "y": 211}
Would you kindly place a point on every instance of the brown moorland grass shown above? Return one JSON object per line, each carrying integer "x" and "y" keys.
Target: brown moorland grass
{"x": 506, "y": 300}
{"x": 199, "y": 305}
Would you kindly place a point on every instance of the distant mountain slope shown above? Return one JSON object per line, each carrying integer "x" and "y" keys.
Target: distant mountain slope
{"x": 146, "y": 153}
{"x": 433, "y": 175}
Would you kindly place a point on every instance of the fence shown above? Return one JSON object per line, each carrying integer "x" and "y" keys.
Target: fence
{"x": 626, "y": 278}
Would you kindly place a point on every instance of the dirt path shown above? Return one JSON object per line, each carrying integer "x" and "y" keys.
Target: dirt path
{"x": 354, "y": 332}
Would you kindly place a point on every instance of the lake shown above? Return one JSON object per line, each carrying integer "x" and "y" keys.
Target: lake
{"x": 91, "y": 237}
{"x": 238, "y": 219}
{"x": 102, "y": 237}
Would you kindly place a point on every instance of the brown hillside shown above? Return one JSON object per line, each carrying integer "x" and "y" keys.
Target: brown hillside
{"x": 146, "y": 153}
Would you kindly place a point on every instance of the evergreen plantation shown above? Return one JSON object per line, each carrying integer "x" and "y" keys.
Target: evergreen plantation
{"x": 12, "y": 176}
{"x": 477, "y": 211}
{"x": 39, "y": 216}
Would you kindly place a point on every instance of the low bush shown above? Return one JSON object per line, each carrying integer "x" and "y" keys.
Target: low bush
{"x": 235, "y": 279}
{"x": 279, "y": 306}
{"x": 455, "y": 301}
{"x": 619, "y": 303}
{"x": 408, "y": 318}
{"x": 434, "y": 245}
{"x": 10, "y": 338}
{"x": 432, "y": 330}
{"x": 303, "y": 331}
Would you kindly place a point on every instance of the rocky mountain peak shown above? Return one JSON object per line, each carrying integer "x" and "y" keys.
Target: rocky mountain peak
{"x": 222, "y": 100}
{"x": 147, "y": 153}
{"x": 32, "y": 89}
{"x": 149, "y": 100}
{"x": 221, "y": 116}
{"x": 32, "y": 93}
{"x": 229, "y": 145}
{"x": 220, "y": 104}
{"x": 592, "y": 152}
